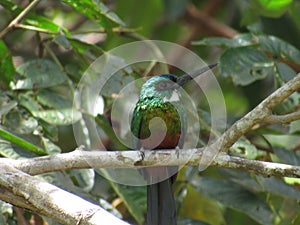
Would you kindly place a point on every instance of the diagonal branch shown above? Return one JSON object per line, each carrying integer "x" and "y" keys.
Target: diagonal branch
{"x": 43, "y": 198}
{"x": 15, "y": 21}
{"x": 259, "y": 114}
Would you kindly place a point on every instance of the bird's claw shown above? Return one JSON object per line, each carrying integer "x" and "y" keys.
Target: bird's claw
{"x": 142, "y": 157}
{"x": 142, "y": 153}
{"x": 177, "y": 152}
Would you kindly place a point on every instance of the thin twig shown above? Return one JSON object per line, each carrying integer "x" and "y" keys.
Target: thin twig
{"x": 15, "y": 21}
{"x": 53, "y": 56}
{"x": 281, "y": 119}
{"x": 208, "y": 24}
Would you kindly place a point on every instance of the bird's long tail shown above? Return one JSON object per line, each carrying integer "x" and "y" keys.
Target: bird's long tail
{"x": 161, "y": 208}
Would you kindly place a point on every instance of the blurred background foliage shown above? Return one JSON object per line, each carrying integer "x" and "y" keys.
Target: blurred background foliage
{"x": 44, "y": 54}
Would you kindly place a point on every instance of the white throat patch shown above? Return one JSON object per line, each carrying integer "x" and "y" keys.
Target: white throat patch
{"x": 173, "y": 98}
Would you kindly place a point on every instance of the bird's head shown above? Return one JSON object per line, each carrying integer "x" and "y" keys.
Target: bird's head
{"x": 166, "y": 86}
{"x": 161, "y": 86}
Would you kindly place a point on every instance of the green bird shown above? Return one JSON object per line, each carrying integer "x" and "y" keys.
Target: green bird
{"x": 160, "y": 98}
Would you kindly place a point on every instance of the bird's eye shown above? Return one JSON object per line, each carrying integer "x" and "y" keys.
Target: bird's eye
{"x": 164, "y": 85}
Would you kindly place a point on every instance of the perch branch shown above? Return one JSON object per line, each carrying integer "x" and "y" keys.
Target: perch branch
{"x": 79, "y": 159}
{"x": 130, "y": 159}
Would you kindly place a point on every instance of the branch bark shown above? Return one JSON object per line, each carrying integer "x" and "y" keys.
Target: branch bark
{"x": 31, "y": 193}
{"x": 261, "y": 113}
{"x": 15, "y": 21}
{"x": 79, "y": 159}
{"x": 281, "y": 119}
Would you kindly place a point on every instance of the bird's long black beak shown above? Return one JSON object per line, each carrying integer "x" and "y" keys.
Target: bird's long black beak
{"x": 187, "y": 77}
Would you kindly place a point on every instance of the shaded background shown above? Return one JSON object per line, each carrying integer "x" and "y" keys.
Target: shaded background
{"x": 42, "y": 60}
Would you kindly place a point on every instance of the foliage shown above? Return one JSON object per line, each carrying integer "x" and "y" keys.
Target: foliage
{"x": 44, "y": 56}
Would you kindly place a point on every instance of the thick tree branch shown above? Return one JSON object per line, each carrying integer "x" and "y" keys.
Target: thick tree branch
{"x": 259, "y": 114}
{"x": 79, "y": 159}
{"x": 43, "y": 198}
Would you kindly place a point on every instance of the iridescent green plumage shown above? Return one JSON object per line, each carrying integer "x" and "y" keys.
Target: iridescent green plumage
{"x": 160, "y": 98}
{"x": 150, "y": 108}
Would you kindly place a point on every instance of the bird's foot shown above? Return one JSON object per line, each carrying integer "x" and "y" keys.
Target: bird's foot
{"x": 177, "y": 152}
{"x": 142, "y": 157}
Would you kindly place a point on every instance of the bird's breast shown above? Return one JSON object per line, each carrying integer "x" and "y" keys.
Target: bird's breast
{"x": 160, "y": 125}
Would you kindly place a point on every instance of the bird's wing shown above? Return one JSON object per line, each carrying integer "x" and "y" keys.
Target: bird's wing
{"x": 136, "y": 127}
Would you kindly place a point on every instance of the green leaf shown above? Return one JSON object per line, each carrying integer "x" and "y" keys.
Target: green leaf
{"x": 6, "y": 210}
{"x": 89, "y": 50}
{"x": 261, "y": 184}
{"x": 83, "y": 178}
{"x": 246, "y": 39}
{"x": 39, "y": 73}
{"x": 7, "y": 68}
{"x": 245, "y": 65}
{"x": 96, "y": 11}
{"x": 279, "y": 48}
{"x": 109, "y": 207}
{"x": 28, "y": 102}
{"x": 6, "y": 107}
{"x": 17, "y": 122}
{"x": 285, "y": 72}
{"x": 115, "y": 84}
{"x": 7, "y": 150}
{"x": 252, "y": 10}
{"x": 63, "y": 41}
{"x": 50, "y": 147}
{"x": 294, "y": 14}
{"x": 199, "y": 207}
{"x": 33, "y": 21}
{"x": 244, "y": 149}
{"x": 274, "y": 8}
{"x": 50, "y": 130}
{"x": 275, "y": 47}
{"x": 105, "y": 125}
{"x": 146, "y": 19}
{"x": 40, "y": 23}
{"x": 9, "y": 5}
{"x": 236, "y": 197}
{"x": 58, "y": 117}
{"x": 21, "y": 142}
{"x": 135, "y": 199}
{"x": 286, "y": 156}
{"x": 294, "y": 127}
{"x": 63, "y": 180}
{"x": 52, "y": 99}
{"x": 74, "y": 71}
